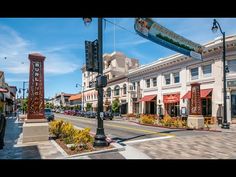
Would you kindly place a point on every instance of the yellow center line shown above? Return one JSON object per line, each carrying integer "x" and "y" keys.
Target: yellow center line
{"x": 130, "y": 128}
{"x": 141, "y": 130}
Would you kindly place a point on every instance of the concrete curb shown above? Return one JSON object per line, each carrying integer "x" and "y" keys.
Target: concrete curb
{"x": 175, "y": 128}
{"x": 116, "y": 149}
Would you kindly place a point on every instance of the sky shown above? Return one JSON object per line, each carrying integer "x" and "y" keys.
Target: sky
{"x": 61, "y": 41}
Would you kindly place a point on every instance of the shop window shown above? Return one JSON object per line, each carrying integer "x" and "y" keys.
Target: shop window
{"x": 167, "y": 79}
{"x": 206, "y": 107}
{"x": 154, "y": 82}
{"x": 176, "y": 77}
{"x": 148, "y": 83}
{"x": 206, "y": 70}
{"x": 194, "y": 73}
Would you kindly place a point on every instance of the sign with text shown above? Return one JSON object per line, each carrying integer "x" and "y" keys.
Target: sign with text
{"x": 36, "y": 87}
{"x": 153, "y": 31}
{"x": 195, "y": 103}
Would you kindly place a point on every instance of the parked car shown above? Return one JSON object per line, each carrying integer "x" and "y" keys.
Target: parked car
{"x": 90, "y": 114}
{"x": 49, "y": 114}
{"x": 108, "y": 115}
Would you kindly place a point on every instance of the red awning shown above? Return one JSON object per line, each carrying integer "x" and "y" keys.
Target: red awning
{"x": 148, "y": 98}
{"x": 3, "y": 90}
{"x": 204, "y": 94}
{"x": 173, "y": 98}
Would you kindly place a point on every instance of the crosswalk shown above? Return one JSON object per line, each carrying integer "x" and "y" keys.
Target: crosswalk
{"x": 12, "y": 117}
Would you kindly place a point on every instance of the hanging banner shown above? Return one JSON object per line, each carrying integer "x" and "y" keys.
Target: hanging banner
{"x": 153, "y": 31}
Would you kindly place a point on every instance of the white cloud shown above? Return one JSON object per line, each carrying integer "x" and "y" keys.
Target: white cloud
{"x": 55, "y": 64}
{"x": 16, "y": 49}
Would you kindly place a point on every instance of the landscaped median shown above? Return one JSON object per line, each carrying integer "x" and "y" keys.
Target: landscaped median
{"x": 75, "y": 142}
{"x": 167, "y": 122}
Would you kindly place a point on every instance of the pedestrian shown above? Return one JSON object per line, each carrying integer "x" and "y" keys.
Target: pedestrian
{"x": 2, "y": 130}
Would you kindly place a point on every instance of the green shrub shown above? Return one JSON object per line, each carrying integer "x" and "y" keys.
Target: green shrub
{"x": 55, "y": 128}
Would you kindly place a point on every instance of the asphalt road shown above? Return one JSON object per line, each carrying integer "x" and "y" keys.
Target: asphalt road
{"x": 123, "y": 131}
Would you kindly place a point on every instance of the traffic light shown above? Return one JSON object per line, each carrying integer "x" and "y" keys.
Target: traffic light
{"x": 91, "y": 55}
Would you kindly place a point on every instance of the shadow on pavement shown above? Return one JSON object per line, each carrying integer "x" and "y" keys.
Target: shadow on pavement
{"x": 12, "y": 134}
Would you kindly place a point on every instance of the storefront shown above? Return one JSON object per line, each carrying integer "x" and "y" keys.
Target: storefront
{"x": 150, "y": 104}
{"x": 231, "y": 98}
{"x": 171, "y": 103}
{"x": 206, "y": 98}
{"x": 135, "y": 106}
{"x": 123, "y": 107}
{"x": 233, "y": 104}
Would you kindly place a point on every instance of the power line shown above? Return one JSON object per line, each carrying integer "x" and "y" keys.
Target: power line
{"x": 119, "y": 26}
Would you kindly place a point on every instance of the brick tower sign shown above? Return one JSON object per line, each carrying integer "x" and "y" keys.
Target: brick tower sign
{"x": 195, "y": 119}
{"x": 36, "y": 87}
{"x": 195, "y": 104}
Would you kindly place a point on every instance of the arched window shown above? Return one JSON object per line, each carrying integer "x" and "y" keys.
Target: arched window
{"x": 109, "y": 92}
{"x": 124, "y": 89}
{"x": 117, "y": 90}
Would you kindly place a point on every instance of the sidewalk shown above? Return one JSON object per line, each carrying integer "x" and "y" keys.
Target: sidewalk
{"x": 15, "y": 149}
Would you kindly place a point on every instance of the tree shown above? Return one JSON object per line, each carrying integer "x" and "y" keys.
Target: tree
{"x": 115, "y": 105}
{"x": 88, "y": 106}
{"x": 25, "y": 104}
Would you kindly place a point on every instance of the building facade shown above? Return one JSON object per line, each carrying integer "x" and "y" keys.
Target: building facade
{"x": 76, "y": 100}
{"x": 166, "y": 83}
{"x": 62, "y": 99}
{"x": 115, "y": 66}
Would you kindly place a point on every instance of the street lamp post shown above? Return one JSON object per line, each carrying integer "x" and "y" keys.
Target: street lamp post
{"x": 23, "y": 90}
{"x": 100, "y": 138}
{"x": 24, "y": 82}
{"x": 216, "y": 25}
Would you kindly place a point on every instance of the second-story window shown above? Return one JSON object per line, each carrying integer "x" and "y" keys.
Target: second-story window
{"x": 167, "y": 79}
{"x": 206, "y": 70}
{"x": 109, "y": 92}
{"x": 232, "y": 66}
{"x": 124, "y": 89}
{"x": 154, "y": 82}
{"x": 134, "y": 86}
{"x": 148, "y": 83}
{"x": 176, "y": 77}
{"x": 194, "y": 73}
{"x": 117, "y": 90}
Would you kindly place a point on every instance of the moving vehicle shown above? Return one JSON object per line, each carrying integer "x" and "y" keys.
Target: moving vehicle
{"x": 49, "y": 114}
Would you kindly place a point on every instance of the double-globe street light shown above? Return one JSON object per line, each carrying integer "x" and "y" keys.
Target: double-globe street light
{"x": 100, "y": 138}
{"x": 216, "y": 25}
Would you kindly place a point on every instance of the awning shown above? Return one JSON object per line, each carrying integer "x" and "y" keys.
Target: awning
{"x": 75, "y": 97}
{"x": 204, "y": 93}
{"x": 3, "y": 90}
{"x": 172, "y": 98}
{"x": 148, "y": 98}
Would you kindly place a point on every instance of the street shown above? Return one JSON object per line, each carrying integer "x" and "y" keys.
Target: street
{"x": 120, "y": 130}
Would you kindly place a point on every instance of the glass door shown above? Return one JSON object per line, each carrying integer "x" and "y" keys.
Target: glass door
{"x": 233, "y": 104}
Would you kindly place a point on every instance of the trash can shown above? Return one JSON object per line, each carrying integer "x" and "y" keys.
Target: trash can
{"x": 2, "y": 130}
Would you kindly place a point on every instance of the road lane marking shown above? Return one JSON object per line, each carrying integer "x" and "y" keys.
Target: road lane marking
{"x": 129, "y": 128}
{"x": 148, "y": 139}
{"x": 141, "y": 130}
